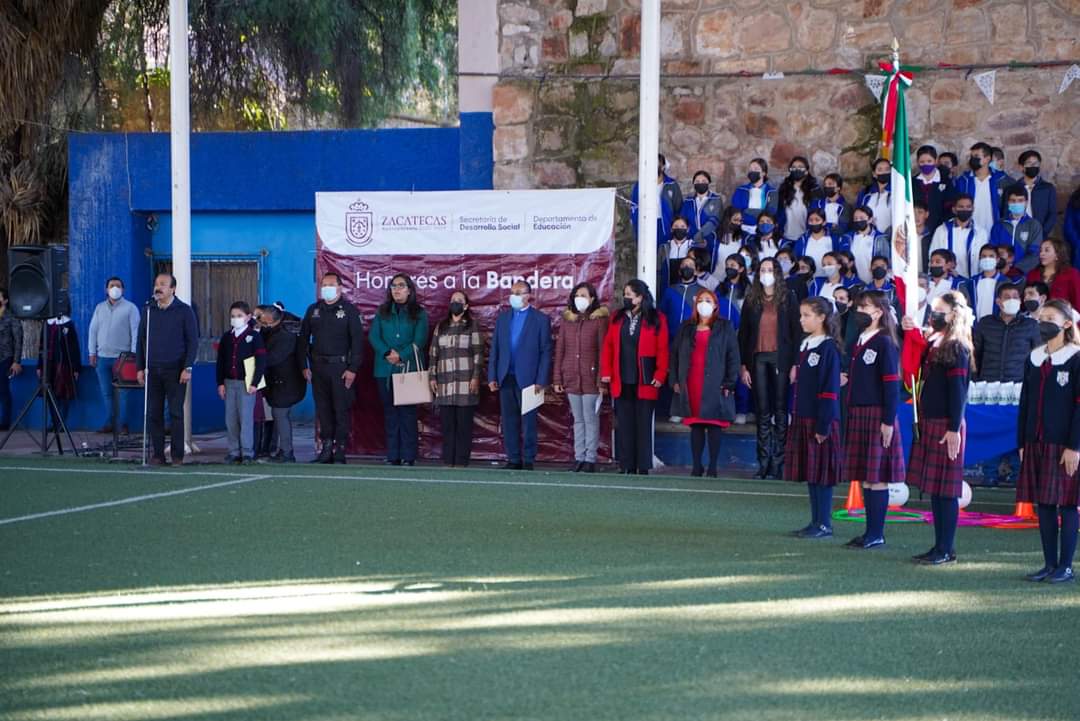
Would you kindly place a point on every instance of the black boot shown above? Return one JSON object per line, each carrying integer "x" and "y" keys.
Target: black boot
{"x": 256, "y": 439}
{"x": 779, "y": 439}
{"x": 327, "y": 453}
{"x": 265, "y": 450}
{"x": 764, "y": 445}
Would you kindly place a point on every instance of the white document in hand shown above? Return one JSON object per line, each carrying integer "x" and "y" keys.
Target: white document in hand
{"x": 531, "y": 400}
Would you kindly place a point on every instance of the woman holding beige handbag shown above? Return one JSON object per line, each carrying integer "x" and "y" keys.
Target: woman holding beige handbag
{"x": 398, "y": 335}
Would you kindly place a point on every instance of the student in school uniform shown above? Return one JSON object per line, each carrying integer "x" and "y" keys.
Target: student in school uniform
{"x": 984, "y": 186}
{"x": 876, "y": 196}
{"x": 865, "y": 241}
{"x": 671, "y": 252}
{"x": 812, "y": 453}
{"x": 730, "y": 236}
{"x": 757, "y": 195}
{"x": 837, "y": 210}
{"x": 943, "y": 277}
{"x": 1035, "y": 296}
{"x": 766, "y": 239}
{"x": 785, "y": 257}
{"x": 1007, "y": 254}
{"x": 704, "y": 371}
{"x": 703, "y": 264}
{"x": 829, "y": 280}
{"x": 873, "y": 453}
{"x": 929, "y": 187}
{"x": 961, "y": 236}
{"x": 937, "y": 455}
{"x": 997, "y": 164}
{"x": 702, "y": 211}
{"x": 816, "y": 241}
{"x": 1048, "y": 436}
{"x": 1018, "y": 229}
{"x": 798, "y": 192}
{"x": 982, "y": 288}
{"x": 881, "y": 280}
{"x": 671, "y": 200}
{"x": 848, "y": 274}
{"x": 634, "y": 363}
{"x": 736, "y": 280}
{"x": 240, "y": 342}
{"x": 1055, "y": 270}
{"x": 1040, "y": 195}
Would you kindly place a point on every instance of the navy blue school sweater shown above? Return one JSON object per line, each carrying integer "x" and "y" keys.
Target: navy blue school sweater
{"x": 233, "y": 350}
{"x": 1050, "y": 398}
{"x": 874, "y": 375}
{"x": 945, "y": 384}
{"x": 817, "y": 383}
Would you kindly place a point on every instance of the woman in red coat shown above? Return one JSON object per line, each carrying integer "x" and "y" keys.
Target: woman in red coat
{"x": 1054, "y": 270}
{"x": 634, "y": 362}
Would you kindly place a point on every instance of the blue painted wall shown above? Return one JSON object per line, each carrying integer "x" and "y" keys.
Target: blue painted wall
{"x": 250, "y": 192}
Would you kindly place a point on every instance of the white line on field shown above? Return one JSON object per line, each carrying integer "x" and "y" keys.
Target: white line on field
{"x": 132, "y": 499}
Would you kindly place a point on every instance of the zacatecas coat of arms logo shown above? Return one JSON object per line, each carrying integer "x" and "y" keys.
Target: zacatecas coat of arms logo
{"x": 359, "y": 224}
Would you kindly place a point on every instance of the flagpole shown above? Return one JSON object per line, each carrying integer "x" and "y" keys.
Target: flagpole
{"x": 903, "y": 184}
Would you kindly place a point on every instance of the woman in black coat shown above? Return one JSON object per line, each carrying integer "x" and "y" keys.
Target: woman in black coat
{"x": 705, "y": 368}
{"x": 768, "y": 338}
{"x": 285, "y": 385}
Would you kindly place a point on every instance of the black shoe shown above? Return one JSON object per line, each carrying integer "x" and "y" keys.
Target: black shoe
{"x": 283, "y": 458}
{"x": 799, "y": 532}
{"x": 712, "y": 473}
{"x": 339, "y": 457}
{"x": 697, "y": 472}
{"x": 643, "y": 472}
{"x": 762, "y": 473}
{"x": 1061, "y": 575}
{"x": 326, "y": 455}
{"x": 1040, "y": 575}
{"x": 410, "y": 464}
{"x": 856, "y": 542}
{"x": 924, "y": 556}
{"x": 869, "y": 545}
{"x": 819, "y": 532}
{"x": 231, "y": 458}
{"x": 526, "y": 466}
{"x": 589, "y": 468}
{"x": 940, "y": 559}
{"x": 578, "y": 467}
{"x": 512, "y": 467}
{"x": 389, "y": 462}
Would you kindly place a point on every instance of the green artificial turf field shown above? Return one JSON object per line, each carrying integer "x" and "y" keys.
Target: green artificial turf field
{"x": 304, "y": 592}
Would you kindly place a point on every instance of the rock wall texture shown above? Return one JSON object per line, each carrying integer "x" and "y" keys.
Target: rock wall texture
{"x": 566, "y": 105}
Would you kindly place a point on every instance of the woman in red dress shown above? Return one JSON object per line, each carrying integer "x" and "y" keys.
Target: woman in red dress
{"x": 705, "y": 363}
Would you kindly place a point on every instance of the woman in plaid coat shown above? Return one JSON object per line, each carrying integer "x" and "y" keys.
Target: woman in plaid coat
{"x": 1048, "y": 436}
{"x": 937, "y": 456}
{"x": 873, "y": 454}
{"x": 456, "y": 364}
{"x": 813, "y": 442}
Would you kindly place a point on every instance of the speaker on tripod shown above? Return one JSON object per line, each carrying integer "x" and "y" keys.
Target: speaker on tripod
{"x": 38, "y": 290}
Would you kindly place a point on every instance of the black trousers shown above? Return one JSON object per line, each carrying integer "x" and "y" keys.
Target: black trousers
{"x": 770, "y": 398}
{"x": 457, "y": 430}
{"x": 332, "y": 401}
{"x": 633, "y": 430}
{"x": 164, "y": 384}
{"x": 402, "y": 437}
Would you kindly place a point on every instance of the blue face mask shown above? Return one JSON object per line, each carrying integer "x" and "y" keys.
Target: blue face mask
{"x": 328, "y": 293}
{"x": 765, "y": 228}
{"x": 1017, "y": 208}
{"x": 517, "y": 302}
{"x": 994, "y": 165}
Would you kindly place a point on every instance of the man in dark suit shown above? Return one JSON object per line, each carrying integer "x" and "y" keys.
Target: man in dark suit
{"x": 520, "y": 357}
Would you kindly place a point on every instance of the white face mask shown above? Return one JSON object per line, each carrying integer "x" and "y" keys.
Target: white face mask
{"x": 987, "y": 264}
{"x": 238, "y": 323}
{"x": 116, "y": 292}
{"x": 785, "y": 265}
{"x": 1011, "y": 306}
{"x": 582, "y": 304}
{"x": 328, "y": 293}
{"x": 767, "y": 279}
{"x": 922, "y": 295}
{"x": 830, "y": 270}
{"x": 705, "y": 309}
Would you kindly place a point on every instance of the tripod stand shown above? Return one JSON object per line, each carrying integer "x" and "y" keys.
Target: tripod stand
{"x": 48, "y": 404}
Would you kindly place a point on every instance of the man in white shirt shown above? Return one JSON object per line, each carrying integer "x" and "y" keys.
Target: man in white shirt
{"x": 961, "y": 236}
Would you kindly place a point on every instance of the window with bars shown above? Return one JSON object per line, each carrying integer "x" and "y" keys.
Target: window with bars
{"x": 215, "y": 285}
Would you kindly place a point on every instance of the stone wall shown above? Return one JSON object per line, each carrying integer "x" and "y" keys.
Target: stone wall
{"x": 565, "y": 118}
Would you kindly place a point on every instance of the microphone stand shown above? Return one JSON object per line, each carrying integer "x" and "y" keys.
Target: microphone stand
{"x": 146, "y": 381}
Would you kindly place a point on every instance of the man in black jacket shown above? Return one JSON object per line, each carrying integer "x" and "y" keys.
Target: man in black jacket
{"x": 285, "y": 385}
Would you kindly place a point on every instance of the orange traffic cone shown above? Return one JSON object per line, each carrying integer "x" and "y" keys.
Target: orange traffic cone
{"x": 1025, "y": 511}
{"x": 854, "y": 497}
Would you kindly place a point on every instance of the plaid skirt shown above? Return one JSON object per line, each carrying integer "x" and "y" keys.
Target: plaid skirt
{"x": 865, "y": 458}
{"x": 1043, "y": 478}
{"x": 930, "y": 468}
{"x": 806, "y": 460}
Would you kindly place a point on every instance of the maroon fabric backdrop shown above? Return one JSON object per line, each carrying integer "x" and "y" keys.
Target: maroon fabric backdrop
{"x": 486, "y": 279}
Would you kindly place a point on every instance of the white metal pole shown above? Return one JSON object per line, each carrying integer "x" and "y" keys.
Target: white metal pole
{"x": 180, "y": 144}
{"x": 648, "y": 142}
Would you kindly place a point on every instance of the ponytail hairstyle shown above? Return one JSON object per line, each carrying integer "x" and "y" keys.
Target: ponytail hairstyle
{"x": 820, "y": 306}
{"x": 879, "y": 300}
{"x": 958, "y": 332}
{"x": 1062, "y": 306}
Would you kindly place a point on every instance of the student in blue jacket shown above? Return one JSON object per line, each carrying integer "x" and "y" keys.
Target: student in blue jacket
{"x": 1040, "y": 195}
{"x": 837, "y": 210}
{"x": 877, "y": 196}
{"x": 702, "y": 211}
{"x": 1018, "y": 229}
{"x": 757, "y": 195}
{"x": 985, "y": 186}
{"x": 671, "y": 201}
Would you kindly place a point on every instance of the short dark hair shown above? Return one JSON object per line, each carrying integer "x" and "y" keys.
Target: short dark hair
{"x": 951, "y": 156}
{"x": 988, "y": 246}
{"x": 1002, "y": 287}
{"x": 1028, "y": 154}
{"x": 985, "y": 147}
{"x": 678, "y": 218}
{"x": 1040, "y": 287}
{"x": 702, "y": 172}
{"x": 946, "y": 254}
{"x": 819, "y": 212}
{"x": 963, "y": 196}
{"x": 240, "y": 305}
{"x": 994, "y": 150}
{"x": 1016, "y": 191}
{"x": 110, "y": 280}
{"x": 270, "y": 310}
{"x": 883, "y": 259}
{"x": 1008, "y": 249}
{"x": 880, "y": 160}
{"x": 920, "y": 204}
{"x": 170, "y": 276}
{"x": 761, "y": 162}
{"x": 865, "y": 209}
{"x": 836, "y": 178}
{"x": 331, "y": 273}
{"x": 926, "y": 150}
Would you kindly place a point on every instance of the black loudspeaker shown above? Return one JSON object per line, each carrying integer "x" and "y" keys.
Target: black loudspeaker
{"x": 37, "y": 287}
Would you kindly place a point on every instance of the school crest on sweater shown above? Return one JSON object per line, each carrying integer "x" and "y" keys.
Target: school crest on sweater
{"x": 813, "y": 359}
{"x": 1063, "y": 378}
{"x": 869, "y": 357}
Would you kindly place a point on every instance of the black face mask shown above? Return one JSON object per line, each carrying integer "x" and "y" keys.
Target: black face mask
{"x": 627, "y": 304}
{"x": 963, "y": 215}
{"x": 841, "y": 307}
{"x": 1048, "y": 330}
{"x": 731, "y": 273}
{"x": 1001, "y": 264}
{"x": 936, "y": 271}
{"x": 735, "y": 228}
{"x": 797, "y": 173}
{"x": 701, "y": 188}
{"x": 879, "y": 273}
{"x": 937, "y": 321}
{"x": 884, "y": 178}
{"x": 975, "y": 163}
{"x": 830, "y": 192}
{"x": 679, "y": 233}
{"x": 815, "y": 227}
{"x": 754, "y": 176}
{"x": 457, "y": 308}
{"x": 1032, "y": 171}
{"x": 945, "y": 171}
{"x": 860, "y": 225}
{"x": 1031, "y": 305}
{"x": 862, "y": 320}
{"x": 686, "y": 274}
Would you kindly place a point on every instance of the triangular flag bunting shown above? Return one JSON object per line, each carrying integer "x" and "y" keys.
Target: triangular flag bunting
{"x": 985, "y": 81}
{"x": 1071, "y": 74}
{"x": 875, "y": 83}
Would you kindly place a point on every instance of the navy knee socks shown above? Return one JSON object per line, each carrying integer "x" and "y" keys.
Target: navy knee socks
{"x": 813, "y": 489}
{"x": 877, "y": 506}
{"x": 1070, "y": 521}
{"x": 824, "y": 506}
{"x": 1048, "y": 533}
{"x": 950, "y": 518}
{"x": 935, "y": 508}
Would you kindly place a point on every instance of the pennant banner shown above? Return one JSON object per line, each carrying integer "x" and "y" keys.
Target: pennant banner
{"x": 985, "y": 81}
{"x": 1071, "y": 74}
{"x": 875, "y": 83}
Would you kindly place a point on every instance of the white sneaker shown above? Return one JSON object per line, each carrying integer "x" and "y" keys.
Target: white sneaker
{"x": 675, "y": 419}
{"x": 740, "y": 419}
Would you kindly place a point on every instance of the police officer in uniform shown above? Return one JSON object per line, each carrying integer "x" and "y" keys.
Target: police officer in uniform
{"x": 332, "y": 339}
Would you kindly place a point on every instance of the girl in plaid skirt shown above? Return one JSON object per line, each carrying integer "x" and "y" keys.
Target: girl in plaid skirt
{"x": 937, "y": 456}
{"x": 1048, "y": 436}
{"x": 813, "y": 442}
{"x": 872, "y": 448}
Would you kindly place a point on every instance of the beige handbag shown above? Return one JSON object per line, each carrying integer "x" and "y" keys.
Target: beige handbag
{"x": 412, "y": 388}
